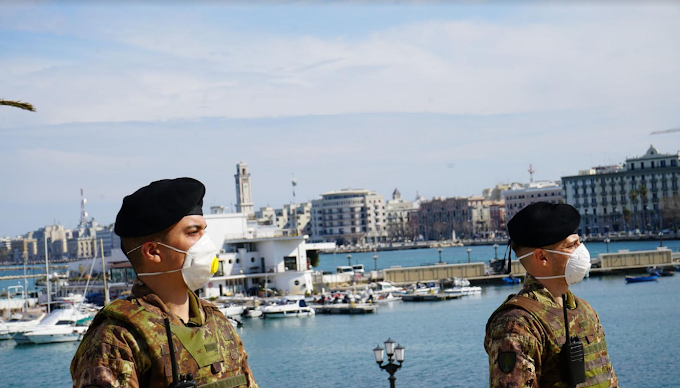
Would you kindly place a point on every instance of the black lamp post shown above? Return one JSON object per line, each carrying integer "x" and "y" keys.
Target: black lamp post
{"x": 440, "y": 255}
{"x": 468, "y": 251}
{"x": 392, "y": 353}
{"x": 660, "y": 240}
{"x": 375, "y": 258}
{"x": 495, "y": 249}
{"x": 606, "y": 241}
{"x": 349, "y": 260}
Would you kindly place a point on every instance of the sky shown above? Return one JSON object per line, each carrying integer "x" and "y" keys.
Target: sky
{"x": 434, "y": 98}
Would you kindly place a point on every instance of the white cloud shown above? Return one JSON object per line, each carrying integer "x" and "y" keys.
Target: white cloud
{"x": 186, "y": 67}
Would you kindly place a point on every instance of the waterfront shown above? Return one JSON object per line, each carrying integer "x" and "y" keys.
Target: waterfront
{"x": 444, "y": 340}
{"x": 452, "y": 255}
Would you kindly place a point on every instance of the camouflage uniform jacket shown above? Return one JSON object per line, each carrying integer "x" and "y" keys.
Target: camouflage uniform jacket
{"x": 127, "y": 346}
{"x": 524, "y": 337}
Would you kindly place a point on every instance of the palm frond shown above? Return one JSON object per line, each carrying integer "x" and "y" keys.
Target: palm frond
{"x": 18, "y": 104}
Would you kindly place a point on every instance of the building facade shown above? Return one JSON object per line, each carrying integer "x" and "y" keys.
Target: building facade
{"x": 641, "y": 194}
{"x": 455, "y": 217}
{"x": 400, "y": 217}
{"x": 520, "y": 196}
{"x": 292, "y": 217}
{"x": 349, "y": 217}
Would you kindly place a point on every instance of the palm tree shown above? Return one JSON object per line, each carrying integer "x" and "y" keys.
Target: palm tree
{"x": 642, "y": 191}
{"x": 633, "y": 194}
{"x": 18, "y": 104}
{"x": 626, "y": 216}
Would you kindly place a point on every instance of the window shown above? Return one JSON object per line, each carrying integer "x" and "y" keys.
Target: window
{"x": 290, "y": 262}
{"x": 652, "y": 164}
{"x": 673, "y": 162}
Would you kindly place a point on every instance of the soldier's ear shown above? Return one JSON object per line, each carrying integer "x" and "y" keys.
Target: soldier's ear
{"x": 541, "y": 258}
{"x": 150, "y": 252}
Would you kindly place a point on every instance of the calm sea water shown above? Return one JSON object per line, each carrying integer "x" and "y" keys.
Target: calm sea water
{"x": 443, "y": 340}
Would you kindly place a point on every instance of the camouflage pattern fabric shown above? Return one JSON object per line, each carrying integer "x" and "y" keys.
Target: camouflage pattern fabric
{"x": 524, "y": 337}
{"x": 127, "y": 346}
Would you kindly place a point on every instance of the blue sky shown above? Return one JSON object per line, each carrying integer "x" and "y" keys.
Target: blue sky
{"x": 439, "y": 98}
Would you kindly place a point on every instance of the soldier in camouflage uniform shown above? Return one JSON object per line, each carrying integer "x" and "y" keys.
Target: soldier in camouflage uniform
{"x": 524, "y": 336}
{"x": 163, "y": 234}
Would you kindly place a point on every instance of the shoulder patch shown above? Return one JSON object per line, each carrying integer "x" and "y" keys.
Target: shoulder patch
{"x": 506, "y": 361}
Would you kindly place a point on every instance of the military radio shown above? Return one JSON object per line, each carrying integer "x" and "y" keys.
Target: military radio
{"x": 572, "y": 357}
{"x": 178, "y": 380}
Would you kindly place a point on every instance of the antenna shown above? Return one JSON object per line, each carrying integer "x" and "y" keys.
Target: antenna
{"x": 83, "y": 213}
{"x": 531, "y": 173}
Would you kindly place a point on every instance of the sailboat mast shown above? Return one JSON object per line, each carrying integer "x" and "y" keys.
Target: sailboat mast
{"x": 47, "y": 275}
{"x": 106, "y": 289}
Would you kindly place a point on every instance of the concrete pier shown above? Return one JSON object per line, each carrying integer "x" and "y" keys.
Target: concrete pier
{"x": 429, "y": 297}
{"x": 346, "y": 309}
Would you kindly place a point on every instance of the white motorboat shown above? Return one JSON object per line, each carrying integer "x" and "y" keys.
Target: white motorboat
{"x": 252, "y": 312}
{"x": 62, "y": 325}
{"x": 463, "y": 290}
{"x": 232, "y": 310}
{"x": 287, "y": 308}
{"x": 18, "y": 323}
{"x": 384, "y": 298}
{"x": 384, "y": 288}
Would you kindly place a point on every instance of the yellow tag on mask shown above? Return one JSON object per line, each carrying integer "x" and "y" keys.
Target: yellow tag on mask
{"x": 215, "y": 265}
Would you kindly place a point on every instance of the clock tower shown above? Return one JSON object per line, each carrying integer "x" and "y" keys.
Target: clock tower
{"x": 244, "y": 199}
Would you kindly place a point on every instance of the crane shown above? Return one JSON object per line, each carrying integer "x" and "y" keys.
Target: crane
{"x": 666, "y": 131}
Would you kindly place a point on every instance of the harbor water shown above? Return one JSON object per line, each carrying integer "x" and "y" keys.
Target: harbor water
{"x": 443, "y": 340}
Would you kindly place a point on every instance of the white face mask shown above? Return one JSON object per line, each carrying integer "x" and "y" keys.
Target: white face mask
{"x": 200, "y": 262}
{"x": 577, "y": 267}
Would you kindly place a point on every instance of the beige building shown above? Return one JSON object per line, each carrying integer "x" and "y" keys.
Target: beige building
{"x": 453, "y": 218}
{"x": 520, "y": 196}
{"x": 56, "y": 237}
{"x": 23, "y": 248}
{"x": 349, "y": 216}
{"x": 292, "y": 217}
{"x": 400, "y": 217}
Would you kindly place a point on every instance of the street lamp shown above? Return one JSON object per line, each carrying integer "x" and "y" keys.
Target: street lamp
{"x": 468, "y": 251}
{"x": 495, "y": 249}
{"x": 349, "y": 260}
{"x": 660, "y": 240}
{"x": 392, "y": 353}
{"x": 375, "y": 257}
{"x": 606, "y": 241}
{"x": 440, "y": 255}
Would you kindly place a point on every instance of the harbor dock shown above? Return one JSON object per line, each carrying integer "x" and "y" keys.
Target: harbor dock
{"x": 429, "y": 297}
{"x": 346, "y": 309}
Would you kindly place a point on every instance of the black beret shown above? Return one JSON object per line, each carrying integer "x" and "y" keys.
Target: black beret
{"x": 159, "y": 205}
{"x": 542, "y": 223}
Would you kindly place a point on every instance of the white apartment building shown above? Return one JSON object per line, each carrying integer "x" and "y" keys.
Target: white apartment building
{"x": 640, "y": 194}
{"x": 349, "y": 216}
{"x": 520, "y": 196}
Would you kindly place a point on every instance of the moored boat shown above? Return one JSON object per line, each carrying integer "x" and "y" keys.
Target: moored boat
{"x": 640, "y": 279}
{"x": 61, "y": 325}
{"x": 18, "y": 323}
{"x": 287, "y": 308}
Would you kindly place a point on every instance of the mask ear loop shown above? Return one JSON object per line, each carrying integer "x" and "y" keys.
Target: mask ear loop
{"x": 508, "y": 252}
